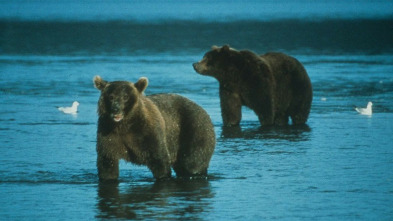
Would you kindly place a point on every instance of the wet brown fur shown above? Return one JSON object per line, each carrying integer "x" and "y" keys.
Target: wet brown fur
{"x": 274, "y": 85}
{"x": 160, "y": 131}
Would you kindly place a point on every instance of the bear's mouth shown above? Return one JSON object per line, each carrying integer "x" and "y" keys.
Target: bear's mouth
{"x": 118, "y": 117}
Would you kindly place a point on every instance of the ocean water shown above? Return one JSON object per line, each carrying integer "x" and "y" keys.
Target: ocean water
{"x": 337, "y": 167}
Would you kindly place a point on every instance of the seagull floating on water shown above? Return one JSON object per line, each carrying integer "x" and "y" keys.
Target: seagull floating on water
{"x": 70, "y": 110}
{"x": 365, "y": 111}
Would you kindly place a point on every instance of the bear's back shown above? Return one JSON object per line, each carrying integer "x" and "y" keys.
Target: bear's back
{"x": 183, "y": 118}
{"x": 179, "y": 109}
{"x": 172, "y": 104}
{"x": 283, "y": 65}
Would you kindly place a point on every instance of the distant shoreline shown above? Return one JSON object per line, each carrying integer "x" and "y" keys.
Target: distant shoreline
{"x": 330, "y": 36}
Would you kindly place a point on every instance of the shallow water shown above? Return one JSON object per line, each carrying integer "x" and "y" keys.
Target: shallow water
{"x": 338, "y": 167}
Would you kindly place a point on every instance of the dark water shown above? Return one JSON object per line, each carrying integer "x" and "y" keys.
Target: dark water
{"x": 371, "y": 36}
{"x": 338, "y": 167}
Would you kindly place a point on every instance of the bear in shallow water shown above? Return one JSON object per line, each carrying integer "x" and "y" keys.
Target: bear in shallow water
{"x": 160, "y": 131}
{"x": 274, "y": 85}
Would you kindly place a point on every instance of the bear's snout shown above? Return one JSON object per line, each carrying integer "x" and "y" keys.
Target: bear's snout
{"x": 198, "y": 67}
{"x": 115, "y": 108}
{"x": 116, "y": 112}
{"x": 195, "y": 65}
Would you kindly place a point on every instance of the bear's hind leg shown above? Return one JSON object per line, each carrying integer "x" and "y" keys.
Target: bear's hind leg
{"x": 300, "y": 107}
{"x": 299, "y": 119}
{"x": 197, "y": 140}
{"x": 193, "y": 162}
{"x": 160, "y": 169}
{"x": 265, "y": 112}
{"x": 183, "y": 171}
{"x": 194, "y": 156}
{"x": 266, "y": 121}
{"x": 299, "y": 114}
{"x": 281, "y": 119}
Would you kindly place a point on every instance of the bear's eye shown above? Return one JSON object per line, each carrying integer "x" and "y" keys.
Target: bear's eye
{"x": 125, "y": 97}
{"x": 111, "y": 97}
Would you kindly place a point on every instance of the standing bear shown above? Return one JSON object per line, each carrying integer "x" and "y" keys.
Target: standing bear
{"x": 160, "y": 131}
{"x": 274, "y": 85}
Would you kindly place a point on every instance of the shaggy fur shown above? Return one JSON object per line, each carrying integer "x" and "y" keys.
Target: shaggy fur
{"x": 274, "y": 85}
{"x": 160, "y": 131}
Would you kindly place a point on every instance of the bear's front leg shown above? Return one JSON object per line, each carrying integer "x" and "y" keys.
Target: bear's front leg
{"x": 108, "y": 169}
{"x": 231, "y": 107}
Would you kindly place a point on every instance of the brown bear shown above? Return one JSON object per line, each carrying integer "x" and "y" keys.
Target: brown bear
{"x": 160, "y": 131}
{"x": 274, "y": 85}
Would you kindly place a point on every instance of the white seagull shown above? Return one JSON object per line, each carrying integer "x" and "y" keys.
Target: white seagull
{"x": 365, "y": 111}
{"x": 70, "y": 110}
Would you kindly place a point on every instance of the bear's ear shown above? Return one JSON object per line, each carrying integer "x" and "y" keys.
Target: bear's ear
{"x": 215, "y": 47}
{"x": 225, "y": 48}
{"x": 142, "y": 83}
{"x": 99, "y": 83}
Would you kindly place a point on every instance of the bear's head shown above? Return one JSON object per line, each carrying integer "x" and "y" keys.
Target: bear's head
{"x": 219, "y": 61}
{"x": 230, "y": 65}
{"x": 118, "y": 98}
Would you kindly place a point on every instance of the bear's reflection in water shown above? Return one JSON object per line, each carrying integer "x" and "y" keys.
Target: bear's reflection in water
{"x": 294, "y": 133}
{"x": 166, "y": 198}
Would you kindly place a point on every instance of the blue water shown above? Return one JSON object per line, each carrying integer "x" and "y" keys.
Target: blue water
{"x": 191, "y": 10}
{"x": 338, "y": 167}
